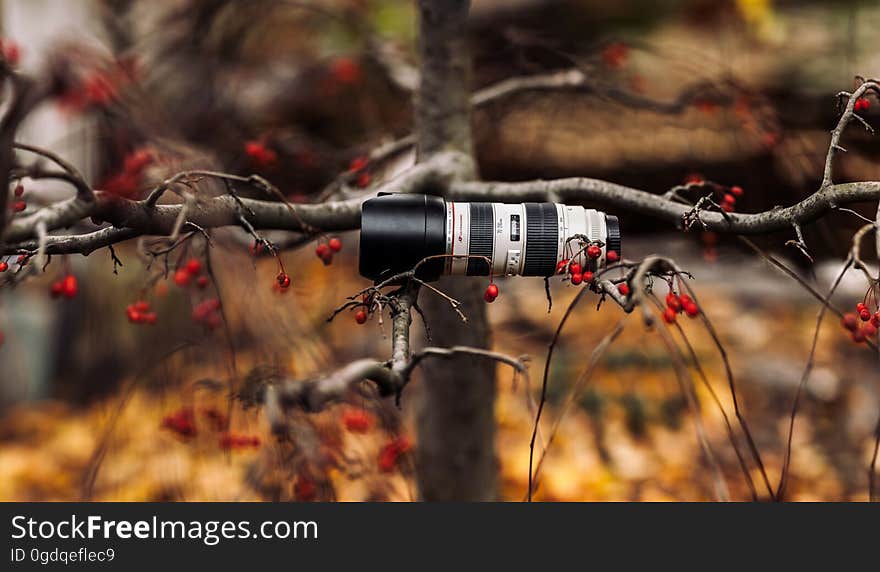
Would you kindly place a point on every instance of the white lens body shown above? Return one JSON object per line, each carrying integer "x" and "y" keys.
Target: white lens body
{"x": 509, "y": 232}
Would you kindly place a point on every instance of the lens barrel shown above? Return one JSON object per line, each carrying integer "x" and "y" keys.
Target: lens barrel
{"x": 477, "y": 239}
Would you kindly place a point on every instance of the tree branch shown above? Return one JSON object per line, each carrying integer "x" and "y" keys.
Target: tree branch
{"x": 579, "y": 190}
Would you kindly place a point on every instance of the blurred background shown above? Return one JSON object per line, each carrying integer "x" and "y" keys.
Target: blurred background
{"x": 740, "y": 92}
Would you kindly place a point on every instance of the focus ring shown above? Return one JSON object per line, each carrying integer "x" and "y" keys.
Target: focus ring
{"x": 481, "y": 238}
{"x": 542, "y": 236}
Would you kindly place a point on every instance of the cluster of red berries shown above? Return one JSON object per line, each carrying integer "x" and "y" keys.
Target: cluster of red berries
{"x": 66, "y": 287}
{"x": 184, "y": 275}
{"x": 728, "y": 195}
{"x": 862, "y": 325}
{"x": 139, "y": 313}
{"x": 391, "y": 453}
{"x": 577, "y": 274}
{"x": 230, "y": 441}
{"x": 359, "y": 167}
{"x": 183, "y": 423}
{"x": 127, "y": 181}
{"x": 98, "y": 88}
{"x": 728, "y": 199}
{"x": 676, "y": 304}
{"x": 326, "y": 250}
{"x": 207, "y": 313}
{"x": 491, "y": 293}
{"x": 862, "y": 104}
{"x": 357, "y": 420}
{"x": 18, "y": 205}
{"x": 259, "y": 153}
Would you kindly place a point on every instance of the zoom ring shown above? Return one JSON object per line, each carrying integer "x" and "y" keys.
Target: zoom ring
{"x": 481, "y": 238}
{"x": 542, "y": 235}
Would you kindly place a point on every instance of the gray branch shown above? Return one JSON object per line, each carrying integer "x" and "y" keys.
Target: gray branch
{"x": 595, "y": 191}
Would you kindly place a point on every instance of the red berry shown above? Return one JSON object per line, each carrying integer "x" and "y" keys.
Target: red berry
{"x": 260, "y": 154}
{"x": 612, "y": 256}
{"x": 391, "y": 452}
{"x": 360, "y": 317}
{"x": 623, "y": 288}
{"x": 727, "y": 207}
{"x": 335, "y": 244}
{"x": 870, "y": 330}
{"x": 346, "y": 70}
{"x": 685, "y": 300}
{"x": 358, "y": 163}
{"x": 729, "y": 199}
{"x": 11, "y": 52}
{"x": 305, "y": 489}
{"x": 19, "y": 206}
{"x": 669, "y": 315}
{"x": 322, "y": 250}
{"x": 19, "y": 190}
{"x": 4, "y": 266}
{"x": 736, "y": 191}
{"x": 575, "y": 268}
{"x": 356, "y": 420}
{"x": 588, "y": 277}
{"x": 141, "y": 306}
{"x": 193, "y": 266}
{"x": 492, "y": 290}
{"x": 560, "y": 266}
{"x": 69, "y": 286}
{"x": 149, "y": 318}
{"x": 594, "y": 251}
{"x": 577, "y": 278}
{"x": 691, "y": 309}
{"x": 865, "y": 314}
{"x": 283, "y": 280}
{"x": 850, "y": 321}
{"x": 875, "y": 320}
{"x": 202, "y": 282}
{"x": 363, "y": 180}
{"x": 860, "y": 306}
{"x": 56, "y": 289}
{"x": 673, "y": 302}
{"x": 858, "y": 336}
{"x": 182, "y": 277}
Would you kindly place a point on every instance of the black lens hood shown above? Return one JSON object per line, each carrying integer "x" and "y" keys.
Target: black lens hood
{"x": 400, "y": 230}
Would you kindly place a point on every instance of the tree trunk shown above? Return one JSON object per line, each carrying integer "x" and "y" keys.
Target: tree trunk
{"x": 455, "y": 420}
